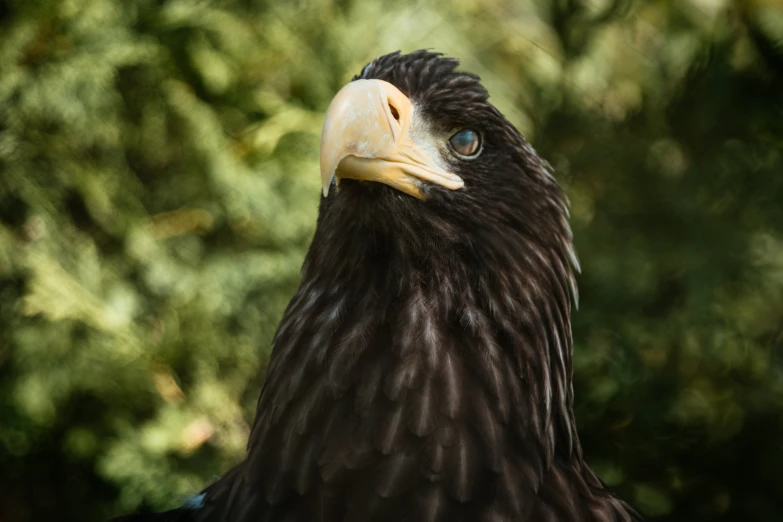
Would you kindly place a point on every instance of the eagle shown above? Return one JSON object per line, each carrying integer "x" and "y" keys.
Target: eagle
{"x": 422, "y": 370}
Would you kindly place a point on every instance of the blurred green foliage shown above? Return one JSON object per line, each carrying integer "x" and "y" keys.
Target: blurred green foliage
{"x": 159, "y": 186}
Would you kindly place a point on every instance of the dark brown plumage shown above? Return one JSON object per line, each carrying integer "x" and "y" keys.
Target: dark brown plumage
{"x": 422, "y": 371}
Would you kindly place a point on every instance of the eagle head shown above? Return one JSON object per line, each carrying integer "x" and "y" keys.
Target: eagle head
{"x": 414, "y": 156}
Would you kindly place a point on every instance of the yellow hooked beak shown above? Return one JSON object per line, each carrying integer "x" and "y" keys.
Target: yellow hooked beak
{"x": 368, "y": 135}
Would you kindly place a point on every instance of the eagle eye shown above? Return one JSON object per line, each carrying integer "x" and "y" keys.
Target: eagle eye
{"x": 466, "y": 143}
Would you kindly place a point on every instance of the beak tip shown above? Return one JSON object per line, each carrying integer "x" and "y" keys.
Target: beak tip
{"x": 327, "y": 184}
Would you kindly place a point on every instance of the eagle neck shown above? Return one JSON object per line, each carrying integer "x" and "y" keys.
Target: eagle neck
{"x": 500, "y": 309}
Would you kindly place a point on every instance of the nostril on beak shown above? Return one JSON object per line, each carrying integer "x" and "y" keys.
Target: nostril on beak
{"x": 394, "y": 112}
